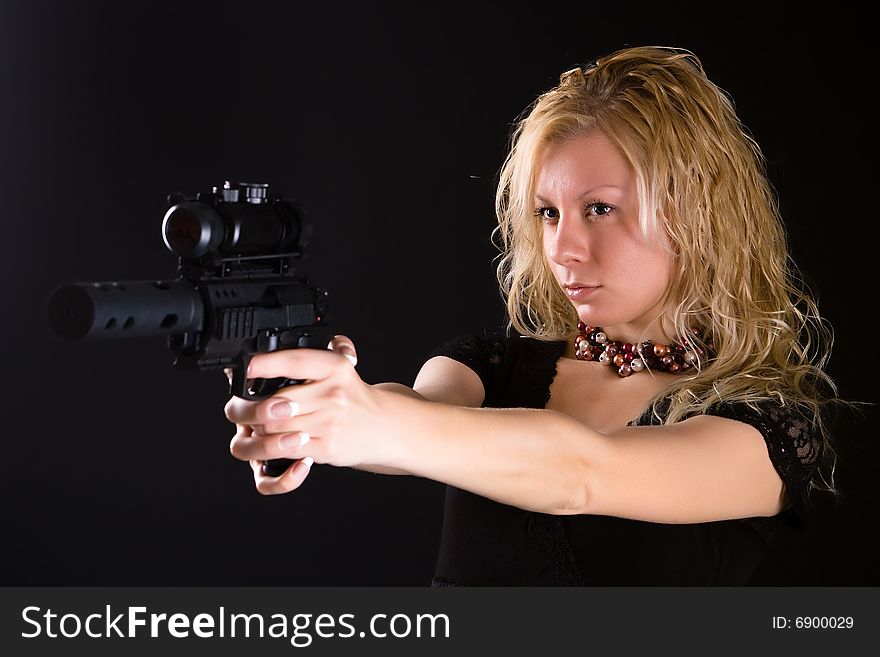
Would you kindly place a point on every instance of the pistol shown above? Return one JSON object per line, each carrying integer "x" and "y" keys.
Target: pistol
{"x": 237, "y": 294}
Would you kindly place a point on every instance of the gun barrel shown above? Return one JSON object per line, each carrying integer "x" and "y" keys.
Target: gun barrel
{"x": 125, "y": 309}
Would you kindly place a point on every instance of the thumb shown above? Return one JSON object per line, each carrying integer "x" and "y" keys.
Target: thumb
{"x": 343, "y": 345}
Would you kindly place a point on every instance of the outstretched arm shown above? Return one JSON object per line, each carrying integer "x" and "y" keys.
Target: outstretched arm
{"x": 702, "y": 469}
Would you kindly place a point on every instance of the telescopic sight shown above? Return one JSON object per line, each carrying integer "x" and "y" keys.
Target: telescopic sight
{"x": 191, "y": 229}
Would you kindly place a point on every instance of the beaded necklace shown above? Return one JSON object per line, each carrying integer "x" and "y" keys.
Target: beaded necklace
{"x": 592, "y": 344}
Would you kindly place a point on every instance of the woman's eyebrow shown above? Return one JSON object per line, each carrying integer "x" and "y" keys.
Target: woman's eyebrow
{"x": 586, "y": 193}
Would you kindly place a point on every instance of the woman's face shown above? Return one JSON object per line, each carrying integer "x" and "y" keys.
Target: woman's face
{"x": 586, "y": 198}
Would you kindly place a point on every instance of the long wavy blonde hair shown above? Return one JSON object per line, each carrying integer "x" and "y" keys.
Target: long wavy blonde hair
{"x": 701, "y": 182}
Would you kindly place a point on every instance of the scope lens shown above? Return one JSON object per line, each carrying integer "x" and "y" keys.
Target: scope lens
{"x": 183, "y": 231}
{"x": 188, "y": 229}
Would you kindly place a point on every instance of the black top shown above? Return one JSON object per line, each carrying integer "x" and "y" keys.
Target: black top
{"x": 486, "y": 543}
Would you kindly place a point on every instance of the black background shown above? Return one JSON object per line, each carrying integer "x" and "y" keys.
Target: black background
{"x": 389, "y": 123}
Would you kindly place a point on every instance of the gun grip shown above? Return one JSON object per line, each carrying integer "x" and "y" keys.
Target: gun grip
{"x": 257, "y": 390}
{"x": 276, "y": 467}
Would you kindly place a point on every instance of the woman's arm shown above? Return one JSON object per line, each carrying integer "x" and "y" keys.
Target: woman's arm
{"x": 441, "y": 380}
{"x": 702, "y": 469}
{"x": 699, "y": 470}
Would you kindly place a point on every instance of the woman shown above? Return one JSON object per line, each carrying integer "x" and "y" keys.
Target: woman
{"x": 660, "y": 412}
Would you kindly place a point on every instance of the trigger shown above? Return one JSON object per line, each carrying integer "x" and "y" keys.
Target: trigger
{"x": 238, "y": 386}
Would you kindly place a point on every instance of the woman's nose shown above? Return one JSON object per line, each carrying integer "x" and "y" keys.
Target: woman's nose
{"x": 569, "y": 241}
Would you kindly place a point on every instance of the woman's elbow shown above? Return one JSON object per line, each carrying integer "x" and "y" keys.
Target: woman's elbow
{"x": 577, "y": 498}
{"x": 576, "y": 504}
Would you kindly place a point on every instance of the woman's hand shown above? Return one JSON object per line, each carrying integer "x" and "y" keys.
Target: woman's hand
{"x": 333, "y": 417}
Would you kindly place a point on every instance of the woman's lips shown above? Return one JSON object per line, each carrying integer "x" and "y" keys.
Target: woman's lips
{"x": 578, "y": 293}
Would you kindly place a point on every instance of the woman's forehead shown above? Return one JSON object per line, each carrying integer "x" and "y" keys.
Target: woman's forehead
{"x": 581, "y": 164}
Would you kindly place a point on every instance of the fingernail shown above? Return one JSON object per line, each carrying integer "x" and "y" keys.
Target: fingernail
{"x": 308, "y": 461}
{"x": 353, "y": 359}
{"x": 284, "y": 409}
{"x": 295, "y": 440}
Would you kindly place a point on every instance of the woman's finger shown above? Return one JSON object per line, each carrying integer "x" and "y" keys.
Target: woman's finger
{"x": 342, "y": 344}
{"x": 277, "y": 411}
{"x": 262, "y": 448}
{"x": 302, "y": 363}
{"x": 292, "y": 478}
{"x": 241, "y": 411}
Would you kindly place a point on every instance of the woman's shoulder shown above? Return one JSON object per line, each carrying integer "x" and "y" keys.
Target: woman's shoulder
{"x": 794, "y": 443}
{"x": 493, "y": 345}
{"x": 769, "y": 415}
{"x": 471, "y": 344}
{"x": 785, "y": 428}
{"x": 515, "y": 370}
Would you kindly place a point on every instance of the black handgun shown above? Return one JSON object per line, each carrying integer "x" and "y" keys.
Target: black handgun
{"x": 237, "y": 295}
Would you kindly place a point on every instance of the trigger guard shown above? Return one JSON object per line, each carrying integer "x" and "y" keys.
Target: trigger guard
{"x": 257, "y": 389}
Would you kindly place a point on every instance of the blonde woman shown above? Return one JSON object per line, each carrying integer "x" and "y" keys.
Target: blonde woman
{"x": 658, "y": 411}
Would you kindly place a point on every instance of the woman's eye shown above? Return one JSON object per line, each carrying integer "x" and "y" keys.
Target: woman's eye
{"x": 599, "y": 209}
{"x": 547, "y": 214}
{"x": 593, "y": 210}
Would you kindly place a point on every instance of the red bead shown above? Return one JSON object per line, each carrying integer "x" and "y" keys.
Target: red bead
{"x": 581, "y": 326}
{"x": 627, "y": 347}
{"x": 628, "y": 356}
